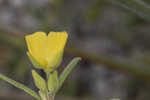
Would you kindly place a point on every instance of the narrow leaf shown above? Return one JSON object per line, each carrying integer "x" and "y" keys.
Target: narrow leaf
{"x": 20, "y": 86}
{"x": 67, "y": 70}
{"x": 39, "y": 81}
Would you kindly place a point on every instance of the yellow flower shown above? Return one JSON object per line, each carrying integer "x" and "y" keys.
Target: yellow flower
{"x": 46, "y": 51}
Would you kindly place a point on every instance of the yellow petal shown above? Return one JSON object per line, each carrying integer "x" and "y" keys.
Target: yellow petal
{"x": 56, "y": 44}
{"x": 33, "y": 60}
{"x": 36, "y": 44}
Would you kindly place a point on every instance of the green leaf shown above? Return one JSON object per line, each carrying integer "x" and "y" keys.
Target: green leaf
{"x": 39, "y": 81}
{"x": 53, "y": 81}
{"x": 20, "y": 86}
{"x": 67, "y": 70}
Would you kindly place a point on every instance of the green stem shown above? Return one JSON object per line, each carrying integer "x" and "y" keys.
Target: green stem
{"x": 49, "y": 96}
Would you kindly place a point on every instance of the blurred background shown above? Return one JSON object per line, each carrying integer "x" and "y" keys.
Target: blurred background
{"x": 111, "y": 36}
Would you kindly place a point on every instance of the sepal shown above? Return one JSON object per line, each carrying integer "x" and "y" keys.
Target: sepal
{"x": 53, "y": 81}
{"x": 39, "y": 81}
